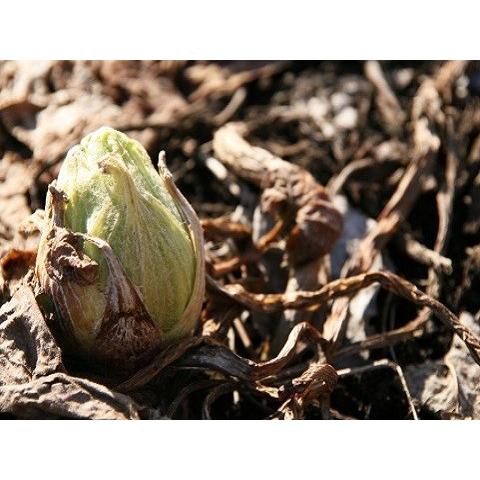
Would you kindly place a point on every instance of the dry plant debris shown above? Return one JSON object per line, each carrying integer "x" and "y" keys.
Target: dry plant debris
{"x": 336, "y": 199}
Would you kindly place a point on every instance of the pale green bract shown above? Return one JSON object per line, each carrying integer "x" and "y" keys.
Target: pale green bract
{"x": 115, "y": 194}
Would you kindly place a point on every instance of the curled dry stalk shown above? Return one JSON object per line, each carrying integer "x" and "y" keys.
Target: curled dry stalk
{"x": 427, "y": 119}
{"x": 427, "y": 107}
{"x": 208, "y": 354}
{"x": 290, "y": 195}
{"x": 342, "y": 287}
{"x": 393, "y": 214}
{"x": 390, "y": 110}
{"x": 297, "y": 206}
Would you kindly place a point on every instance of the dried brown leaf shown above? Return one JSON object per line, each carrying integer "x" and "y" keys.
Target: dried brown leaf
{"x": 450, "y": 386}
{"x": 33, "y": 379}
{"x": 288, "y": 192}
{"x": 15, "y": 178}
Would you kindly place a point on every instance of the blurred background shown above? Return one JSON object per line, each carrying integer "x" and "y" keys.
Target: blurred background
{"x": 320, "y": 115}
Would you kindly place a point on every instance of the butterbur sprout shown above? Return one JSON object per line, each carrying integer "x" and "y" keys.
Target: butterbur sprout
{"x": 121, "y": 256}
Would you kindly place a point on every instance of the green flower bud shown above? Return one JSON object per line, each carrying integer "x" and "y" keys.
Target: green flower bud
{"x": 121, "y": 255}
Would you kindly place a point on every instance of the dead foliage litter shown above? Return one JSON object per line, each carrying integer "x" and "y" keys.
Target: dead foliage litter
{"x": 339, "y": 202}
